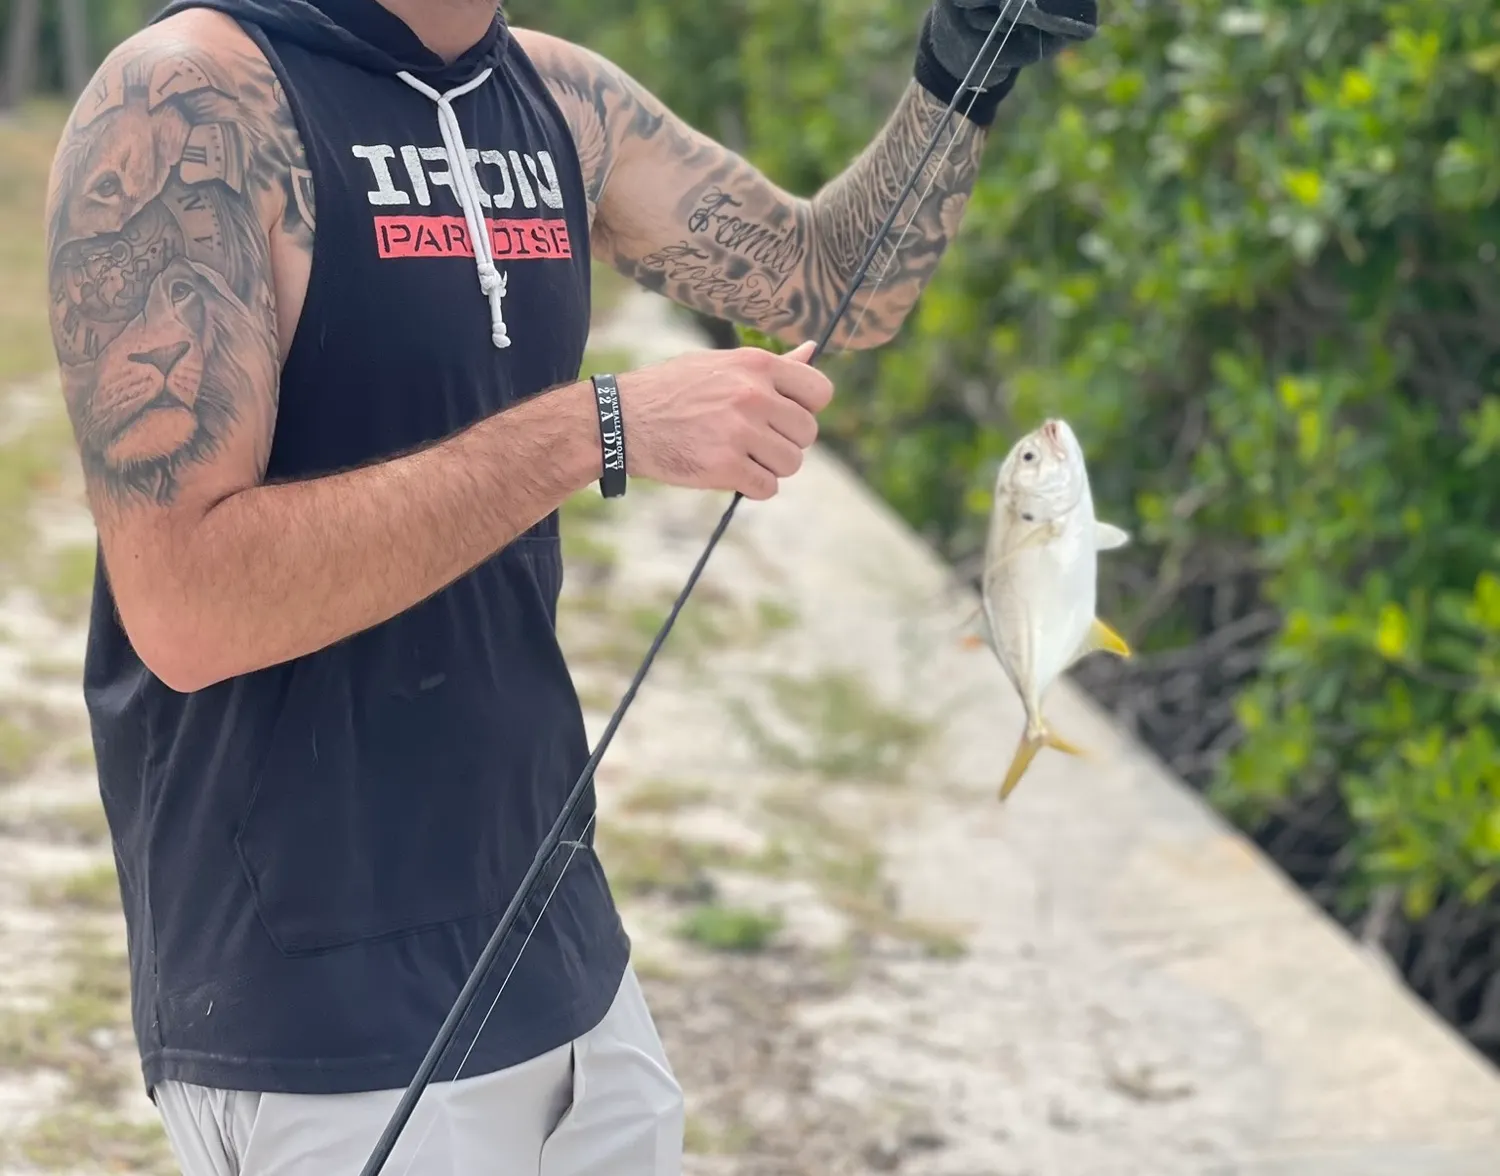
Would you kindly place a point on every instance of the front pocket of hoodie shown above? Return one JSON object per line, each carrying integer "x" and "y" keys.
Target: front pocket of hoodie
{"x": 380, "y": 812}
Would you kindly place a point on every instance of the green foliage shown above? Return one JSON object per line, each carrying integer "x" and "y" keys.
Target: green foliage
{"x": 1251, "y": 254}
{"x": 723, "y": 928}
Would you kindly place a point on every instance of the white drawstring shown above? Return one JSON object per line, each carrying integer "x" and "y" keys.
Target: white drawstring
{"x": 466, "y": 186}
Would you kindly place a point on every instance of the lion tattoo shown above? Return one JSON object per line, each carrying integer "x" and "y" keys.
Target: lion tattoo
{"x": 167, "y": 391}
{"x": 157, "y": 166}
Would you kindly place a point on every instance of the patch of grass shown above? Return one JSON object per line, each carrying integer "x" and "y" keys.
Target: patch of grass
{"x": 605, "y": 359}
{"x": 730, "y": 929}
{"x": 21, "y": 747}
{"x": 78, "y": 824}
{"x": 608, "y": 287}
{"x": 80, "y": 757}
{"x": 774, "y": 617}
{"x": 74, "y": 1137}
{"x": 663, "y": 796}
{"x": 649, "y": 968}
{"x": 640, "y": 863}
{"x": 27, "y": 140}
{"x": 848, "y": 870}
{"x": 702, "y": 1138}
{"x": 584, "y": 507}
{"x": 68, "y": 586}
{"x": 595, "y": 697}
{"x": 54, "y": 669}
{"x": 585, "y": 555}
{"x": 95, "y": 889}
{"x": 841, "y": 964}
{"x": 939, "y": 941}
{"x": 842, "y": 732}
{"x": 698, "y": 628}
{"x": 71, "y": 1035}
{"x": 30, "y": 464}
{"x": 712, "y": 620}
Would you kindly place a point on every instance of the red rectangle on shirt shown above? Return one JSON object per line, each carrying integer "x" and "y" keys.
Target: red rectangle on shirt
{"x": 448, "y": 236}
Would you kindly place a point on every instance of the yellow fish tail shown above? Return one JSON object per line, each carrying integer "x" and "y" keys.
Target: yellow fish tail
{"x": 1031, "y": 743}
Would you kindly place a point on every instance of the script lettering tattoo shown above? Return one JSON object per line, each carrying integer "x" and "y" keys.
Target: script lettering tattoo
{"x": 173, "y": 165}
{"x": 687, "y": 217}
{"x": 716, "y": 217}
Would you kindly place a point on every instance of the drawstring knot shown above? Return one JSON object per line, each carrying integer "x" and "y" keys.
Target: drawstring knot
{"x": 490, "y": 278}
{"x": 466, "y": 186}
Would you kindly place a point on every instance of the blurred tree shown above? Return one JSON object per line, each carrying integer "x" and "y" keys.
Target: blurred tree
{"x": 22, "y": 32}
{"x": 77, "y": 64}
{"x": 52, "y": 48}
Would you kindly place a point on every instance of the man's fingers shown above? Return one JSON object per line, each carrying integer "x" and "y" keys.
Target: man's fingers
{"x": 802, "y": 353}
{"x": 773, "y": 451}
{"x": 806, "y": 385}
{"x": 754, "y": 481}
{"x": 792, "y": 421}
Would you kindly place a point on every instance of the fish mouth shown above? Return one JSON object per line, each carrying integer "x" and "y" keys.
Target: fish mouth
{"x": 1054, "y": 439}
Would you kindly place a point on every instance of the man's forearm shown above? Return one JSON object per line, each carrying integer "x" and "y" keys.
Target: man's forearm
{"x": 845, "y": 216}
{"x": 281, "y": 570}
{"x": 689, "y": 218}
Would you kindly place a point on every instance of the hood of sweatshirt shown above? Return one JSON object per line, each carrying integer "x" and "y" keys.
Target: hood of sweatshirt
{"x": 370, "y": 36}
{"x": 361, "y": 32}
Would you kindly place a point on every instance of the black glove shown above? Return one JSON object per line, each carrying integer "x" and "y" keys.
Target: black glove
{"x": 1030, "y": 31}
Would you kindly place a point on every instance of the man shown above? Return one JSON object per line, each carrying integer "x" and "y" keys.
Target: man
{"x": 320, "y": 293}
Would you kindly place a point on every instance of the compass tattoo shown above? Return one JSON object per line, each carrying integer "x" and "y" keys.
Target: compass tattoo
{"x": 173, "y": 165}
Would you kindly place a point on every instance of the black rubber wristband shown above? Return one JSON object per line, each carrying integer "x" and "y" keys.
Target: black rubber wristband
{"x": 942, "y": 85}
{"x": 611, "y": 436}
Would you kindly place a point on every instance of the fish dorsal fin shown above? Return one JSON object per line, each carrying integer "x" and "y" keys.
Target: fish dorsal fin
{"x": 1107, "y": 537}
{"x": 1102, "y": 639}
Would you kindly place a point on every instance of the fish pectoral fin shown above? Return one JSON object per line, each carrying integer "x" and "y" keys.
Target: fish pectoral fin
{"x": 1101, "y": 638}
{"x": 1026, "y": 752}
{"x": 1107, "y": 536}
{"x": 971, "y": 641}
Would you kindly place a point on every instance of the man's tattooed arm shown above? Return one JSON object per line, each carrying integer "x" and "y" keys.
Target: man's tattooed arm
{"x": 687, "y": 217}
{"x": 180, "y": 230}
{"x": 175, "y": 169}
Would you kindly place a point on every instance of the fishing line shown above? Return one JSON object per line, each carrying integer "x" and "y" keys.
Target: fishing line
{"x": 573, "y": 847}
{"x": 937, "y": 171}
{"x": 553, "y": 840}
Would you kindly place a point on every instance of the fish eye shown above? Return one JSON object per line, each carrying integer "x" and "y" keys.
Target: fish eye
{"x": 1028, "y": 455}
{"x": 1028, "y": 517}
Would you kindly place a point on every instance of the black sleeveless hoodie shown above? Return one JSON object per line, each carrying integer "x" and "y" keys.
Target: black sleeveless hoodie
{"x": 313, "y": 855}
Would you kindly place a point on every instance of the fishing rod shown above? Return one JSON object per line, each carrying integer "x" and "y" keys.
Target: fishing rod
{"x": 464, "y": 1002}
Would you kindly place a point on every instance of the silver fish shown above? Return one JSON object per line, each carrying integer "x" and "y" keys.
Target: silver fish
{"x": 1038, "y": 588}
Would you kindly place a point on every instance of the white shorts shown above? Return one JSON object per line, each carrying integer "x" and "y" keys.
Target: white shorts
{"x": 606, "y": 1103}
